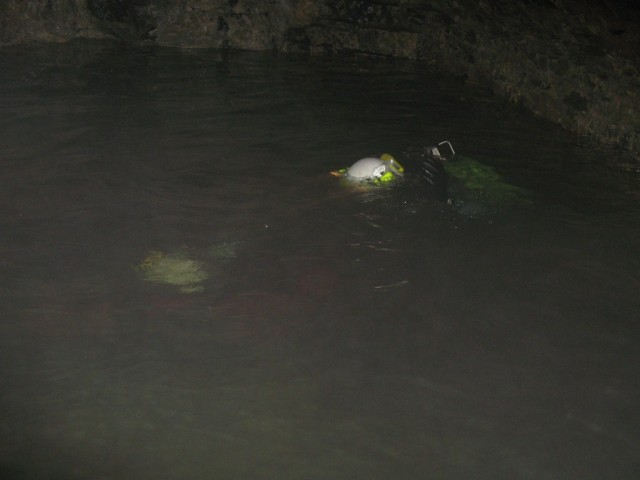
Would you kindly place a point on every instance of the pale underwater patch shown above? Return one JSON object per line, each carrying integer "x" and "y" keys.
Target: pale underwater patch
{"x": 223, "y": 252}
{"x": 181, "y": 270}
{"x": 175, "y": 269}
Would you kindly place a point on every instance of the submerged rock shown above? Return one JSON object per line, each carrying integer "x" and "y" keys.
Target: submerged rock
{"x": 477, "y": 189}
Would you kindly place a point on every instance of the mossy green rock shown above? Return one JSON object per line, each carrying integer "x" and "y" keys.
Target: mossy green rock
{"x": 481, "y": 184}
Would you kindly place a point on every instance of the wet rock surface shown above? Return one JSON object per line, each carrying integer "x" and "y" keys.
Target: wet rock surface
{"x": 575, "y": 63}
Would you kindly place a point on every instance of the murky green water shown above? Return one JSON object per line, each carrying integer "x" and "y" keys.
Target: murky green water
{"x": 187, "y": 293}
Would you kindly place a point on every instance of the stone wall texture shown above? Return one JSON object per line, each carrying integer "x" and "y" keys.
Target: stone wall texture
{"x": 575, "y": 63}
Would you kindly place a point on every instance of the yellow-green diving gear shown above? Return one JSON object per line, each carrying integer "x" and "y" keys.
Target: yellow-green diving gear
{"x": 378, "y": 171}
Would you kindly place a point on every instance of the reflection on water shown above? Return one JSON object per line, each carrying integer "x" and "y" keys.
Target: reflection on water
{"x": 187, "y": 293}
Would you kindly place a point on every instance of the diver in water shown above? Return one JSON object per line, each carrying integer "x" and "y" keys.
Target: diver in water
{"x": 426, "y": 170}
{"x": 436, "y": 173}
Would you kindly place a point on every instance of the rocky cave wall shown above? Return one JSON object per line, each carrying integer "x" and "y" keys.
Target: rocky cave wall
{"x": 575, "y": 63}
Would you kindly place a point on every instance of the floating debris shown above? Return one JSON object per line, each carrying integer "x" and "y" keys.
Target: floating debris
{"x": 375, "y": 245}
{"x": 392, "y": 285}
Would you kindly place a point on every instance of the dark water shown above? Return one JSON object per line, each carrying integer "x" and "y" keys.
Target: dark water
{"x": 312, "y": 331}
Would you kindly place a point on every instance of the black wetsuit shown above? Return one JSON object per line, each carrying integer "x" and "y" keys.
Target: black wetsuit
{"x": 425, "y": 181}
{"x": 433, "y": 176}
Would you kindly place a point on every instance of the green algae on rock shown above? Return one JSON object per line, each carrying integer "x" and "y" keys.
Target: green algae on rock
{"x": 478, "y": 188}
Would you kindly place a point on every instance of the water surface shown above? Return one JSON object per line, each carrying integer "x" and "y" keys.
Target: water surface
{"x": 329, "y": 332}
